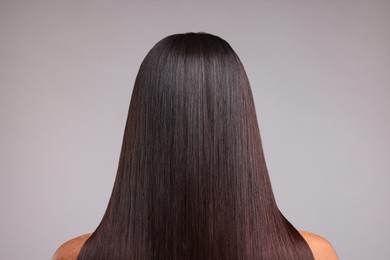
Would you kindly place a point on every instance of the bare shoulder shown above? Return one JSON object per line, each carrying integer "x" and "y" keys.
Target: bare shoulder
{"x": 321, "y": 248}
{"x": 70, "y": 249}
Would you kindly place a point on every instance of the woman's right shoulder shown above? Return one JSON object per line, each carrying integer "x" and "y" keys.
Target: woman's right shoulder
{"x": 70, "y": 249}
{"x": 320, "y": 247}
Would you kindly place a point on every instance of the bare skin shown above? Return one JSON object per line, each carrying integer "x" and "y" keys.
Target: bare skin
{"x": 321, "y": 248}
{"x": 70, "y": 249}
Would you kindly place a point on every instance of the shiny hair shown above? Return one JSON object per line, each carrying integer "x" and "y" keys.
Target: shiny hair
{"x": 192, "y": 182}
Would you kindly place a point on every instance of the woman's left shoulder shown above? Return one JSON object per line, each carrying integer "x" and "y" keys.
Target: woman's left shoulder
{"x": 70, "y": 249}
{"x": 320, "y": 247}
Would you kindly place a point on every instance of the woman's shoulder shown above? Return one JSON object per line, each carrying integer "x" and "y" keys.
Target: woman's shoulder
{"x": 70, "y": 249}
{"x": 320, "y": 247}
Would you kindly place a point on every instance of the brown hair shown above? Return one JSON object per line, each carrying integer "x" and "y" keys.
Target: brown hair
{"x": 192, "y": 182}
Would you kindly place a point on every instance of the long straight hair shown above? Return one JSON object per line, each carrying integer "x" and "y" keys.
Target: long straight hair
{"x": 192, "y": 182}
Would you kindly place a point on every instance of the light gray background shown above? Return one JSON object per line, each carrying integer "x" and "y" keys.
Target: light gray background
{"x": 320, "y": 76}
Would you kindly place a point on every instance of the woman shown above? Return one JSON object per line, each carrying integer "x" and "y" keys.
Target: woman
{"x": 192, "y": 182}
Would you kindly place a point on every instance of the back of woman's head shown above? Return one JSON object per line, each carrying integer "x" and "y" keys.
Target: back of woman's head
{"x": 192, "y": 182}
